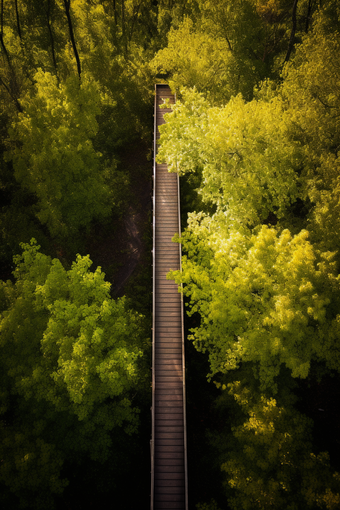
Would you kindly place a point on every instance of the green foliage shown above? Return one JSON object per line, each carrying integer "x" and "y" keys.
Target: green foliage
{"x": 208, "y": 506}
{"x": 226, "y": 48}
{"x": 263, "y": 294}
{"x": 270, "y": 463}
{"x": 65, "y": 141}
{"x": 310, "y": 88}
{"x": 54, "y": 157}
{"x": 197, "y": 59}
{"x": 69, "y": 362}
{"x": 248, "y": 168}
{"x": 265, "y": 298}
{"x": 261, "y": 264}
{"x": 248, "y": 38}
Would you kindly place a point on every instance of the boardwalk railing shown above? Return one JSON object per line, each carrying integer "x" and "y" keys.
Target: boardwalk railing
{"x": 168, "y": 443}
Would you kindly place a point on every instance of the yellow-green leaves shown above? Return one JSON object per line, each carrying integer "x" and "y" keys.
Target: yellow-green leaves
{"x": 311, "y": 92}
{"x": 197, "y": 59}
{"x": 270, "y": 461}
{"x": 54, "y": 157}
{"x": 68, "y": 367}
{"x": 81, "y": 346}
{"x": 264, "y": 298}
{"x": 261, "y": 264}
{"x": 247, "y": 161}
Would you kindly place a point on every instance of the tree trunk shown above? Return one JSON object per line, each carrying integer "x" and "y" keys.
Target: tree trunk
{"x": 135, "y": 16}
{"x": 123, "y": 28}
{"x": 2, "y": 42}
{"x": 67, "y": 4}
{"x": 12, "y": 89}
{"x": 49, "y": 25}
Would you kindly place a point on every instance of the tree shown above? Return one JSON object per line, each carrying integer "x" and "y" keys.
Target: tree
{"x": 265, "y": 298}
{"x": 249, "y": 169}
{"x": 197, "y": 59}
{"x": 69, "y": 356}
{"x": 67, "y": 4}
{"x": 310, "y": 89}
{"x": 269, "y": 461}
{"x": 53, "y": 155}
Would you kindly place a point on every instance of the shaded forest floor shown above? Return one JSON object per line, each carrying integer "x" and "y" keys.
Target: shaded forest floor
{"x": 123, "y": 248}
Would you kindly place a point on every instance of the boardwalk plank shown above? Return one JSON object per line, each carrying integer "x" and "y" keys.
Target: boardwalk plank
{"x": 169, "y": 442}
{"x": 173, "y": 351}
{"x": 168, "y": 404}
{"x": 176, "y": 490}
{"x": 175, "y": 368}
{"x": 172, "y": 307}
{"x": 179, "y": 491}
{"x": 167, "y": 385}
{"x": 170, "y": 469}
{"x": 170, "y": 338}
{"x": 172, "y": 374}
{"x": 177, "y": 423}
{"x": 171, "y": 391}
{"x": 166, "y": 379}
{"x": 159, "y": 475}
{"x": 165, "y": 505}
{"x": 175, "y": 412}
{"x": 166, "y": 397}
{"x": 169, "y": 344}
{"x": 174, "y": 483}
{"x": 169, "y": 428}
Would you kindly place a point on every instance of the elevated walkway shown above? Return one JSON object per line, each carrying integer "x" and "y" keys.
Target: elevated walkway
{"x": 168, "y": 443}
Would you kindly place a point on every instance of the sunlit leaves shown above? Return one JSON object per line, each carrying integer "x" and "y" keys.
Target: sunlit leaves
{"x": 86, "y": 353}
{"x": 55, "y": 159}
{"x": 264, "y": 294}
{"x": 69, "y": 357}
{"x": 263, "y": 298}
{"x": 270, "y": 461}
{"x": 248, "y": 168}
{"x": 311, "y": 89}
{"x": 197, "y": 59}
{"x": 261, "y": 270}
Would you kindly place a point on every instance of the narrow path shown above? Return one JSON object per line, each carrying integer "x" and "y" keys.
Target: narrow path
{"x": 168, "y": 452}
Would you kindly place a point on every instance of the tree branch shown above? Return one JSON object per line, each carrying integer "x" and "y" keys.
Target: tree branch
{"x": 292, "y": 34}
{"x": 67, "y": 4}
{"x": 115, "y": 11}
{"x": 9, "y": 89}
{"x": 309, "y": 10}
{"x": 18, "y": 19}
{"x": 135, "y": 16}
{"x": 14, "y": 99}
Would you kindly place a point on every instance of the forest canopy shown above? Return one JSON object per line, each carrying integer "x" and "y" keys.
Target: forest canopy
{"x": 254, "y": 136}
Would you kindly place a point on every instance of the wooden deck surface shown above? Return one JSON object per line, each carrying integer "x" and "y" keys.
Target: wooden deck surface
{"x": 169, "y": 476}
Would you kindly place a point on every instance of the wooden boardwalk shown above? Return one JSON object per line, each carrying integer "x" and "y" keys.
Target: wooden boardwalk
{"x": 168, "y": 443}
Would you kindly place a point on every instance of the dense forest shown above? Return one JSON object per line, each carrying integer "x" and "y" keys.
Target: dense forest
{"x": 255, "y": 137}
